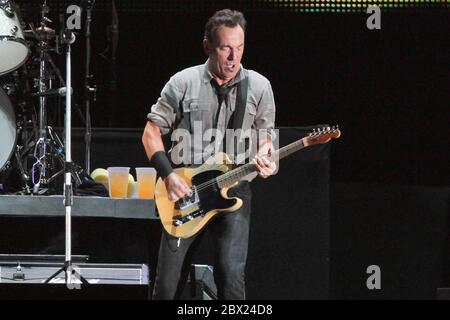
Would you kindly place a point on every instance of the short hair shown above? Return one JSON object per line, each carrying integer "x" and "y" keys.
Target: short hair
{"x": 225, "y": 17}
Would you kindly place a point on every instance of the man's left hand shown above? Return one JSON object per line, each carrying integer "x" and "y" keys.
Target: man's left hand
{"x": 265, "y": 167}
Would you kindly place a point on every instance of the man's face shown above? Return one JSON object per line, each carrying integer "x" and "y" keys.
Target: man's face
{"x": 225, "y": 53}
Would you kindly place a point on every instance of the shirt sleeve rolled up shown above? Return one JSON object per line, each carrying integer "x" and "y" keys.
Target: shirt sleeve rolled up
{"x": 265, "y": 116}
{"x": 164, "y": 112}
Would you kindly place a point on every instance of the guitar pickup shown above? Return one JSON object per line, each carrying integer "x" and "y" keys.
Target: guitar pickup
{"x": 180, "y": 220}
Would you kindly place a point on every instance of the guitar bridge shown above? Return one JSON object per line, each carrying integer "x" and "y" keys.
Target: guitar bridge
{"x": 187, "y": 202}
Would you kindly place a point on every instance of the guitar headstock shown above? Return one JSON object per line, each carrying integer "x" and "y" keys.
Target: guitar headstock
{"x": 322, "y": 135}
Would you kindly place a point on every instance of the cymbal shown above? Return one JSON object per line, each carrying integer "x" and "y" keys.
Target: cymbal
{"x": 41, "y": 32}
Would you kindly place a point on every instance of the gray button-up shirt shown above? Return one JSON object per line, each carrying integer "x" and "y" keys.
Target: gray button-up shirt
{"x": 189, "y": 101}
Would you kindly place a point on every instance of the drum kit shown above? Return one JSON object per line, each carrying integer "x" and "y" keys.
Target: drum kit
{"x": 31, "y": 153}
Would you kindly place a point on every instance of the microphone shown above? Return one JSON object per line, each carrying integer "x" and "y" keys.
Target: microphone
{"x": 53, "y": 92}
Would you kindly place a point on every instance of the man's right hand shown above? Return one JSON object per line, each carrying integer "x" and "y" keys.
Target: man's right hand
{"x": 177, "y": 187}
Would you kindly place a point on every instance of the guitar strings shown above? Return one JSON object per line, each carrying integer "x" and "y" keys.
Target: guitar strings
{"x": 229, "y": 174}
{"x": 212, "y": 182}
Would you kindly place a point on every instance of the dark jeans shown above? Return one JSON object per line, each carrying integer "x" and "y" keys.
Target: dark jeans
{"x": 230, "y": 233}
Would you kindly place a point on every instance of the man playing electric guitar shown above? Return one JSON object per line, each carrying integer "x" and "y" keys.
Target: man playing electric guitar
{"x": 219, "y": 95}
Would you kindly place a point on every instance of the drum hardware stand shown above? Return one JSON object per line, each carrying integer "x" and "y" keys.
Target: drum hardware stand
{"x": 41, "y": 186}
{"x": 24, "y": 176}
{"x": 58, "y": 149}
{"x": 71, "y": 274}
{"x": 46, "y": 137}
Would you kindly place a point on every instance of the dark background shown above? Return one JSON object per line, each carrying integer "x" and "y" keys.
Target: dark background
{"x": 387, "y": 89}
{"x": 388, "y": 200}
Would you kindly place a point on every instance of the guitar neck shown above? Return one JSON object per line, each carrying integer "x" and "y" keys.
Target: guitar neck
{"x": 236, "y": 174}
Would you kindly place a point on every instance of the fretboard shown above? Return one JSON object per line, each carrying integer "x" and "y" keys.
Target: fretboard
{"x": 237, "y": 174}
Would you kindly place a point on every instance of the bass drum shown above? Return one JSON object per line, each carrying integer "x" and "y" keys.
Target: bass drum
{"x": 7, "y": 129}
{"x": 14, "y": 50}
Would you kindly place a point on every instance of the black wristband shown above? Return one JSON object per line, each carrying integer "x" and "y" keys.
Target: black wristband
{"x": 162, "y": 165}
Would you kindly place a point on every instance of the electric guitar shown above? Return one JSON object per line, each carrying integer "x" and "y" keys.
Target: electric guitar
{"x": 210, "y": 183}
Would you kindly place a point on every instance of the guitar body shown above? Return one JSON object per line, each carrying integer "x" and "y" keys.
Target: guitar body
{"x": 186, "y": 218}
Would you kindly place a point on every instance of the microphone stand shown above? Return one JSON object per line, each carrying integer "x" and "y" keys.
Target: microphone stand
{"x": 89, "y": 90}
{"x": 70, "y": 273}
